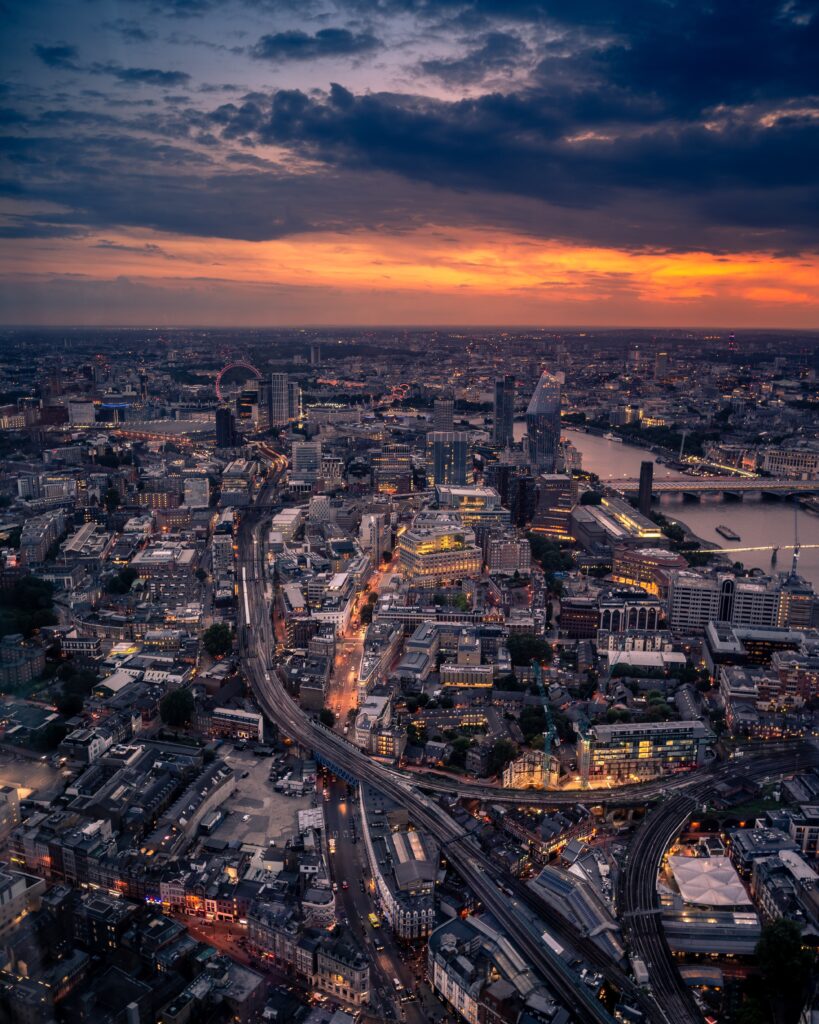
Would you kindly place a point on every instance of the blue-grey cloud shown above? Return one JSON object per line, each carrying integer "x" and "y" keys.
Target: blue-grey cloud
{"x": 61, "y": 55}
{"x": 141, "y": 76}
{"x": 130, "y": 31}
{"x": 327, "y": 42}
{"x": 499, "y": 52}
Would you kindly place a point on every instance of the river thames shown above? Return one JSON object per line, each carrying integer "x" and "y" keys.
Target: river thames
{"x": 758, "y": 522}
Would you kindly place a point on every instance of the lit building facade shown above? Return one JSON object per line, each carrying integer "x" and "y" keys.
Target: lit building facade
{"x": 439, "y": 547}
{"x": 637, "y": 751}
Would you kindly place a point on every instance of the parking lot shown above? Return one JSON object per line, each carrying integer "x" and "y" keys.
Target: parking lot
{"x": 258, "y": 813}
{"x": 31, "y": 776}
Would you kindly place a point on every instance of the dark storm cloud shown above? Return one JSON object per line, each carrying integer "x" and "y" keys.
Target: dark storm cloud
{"x": 498, "y": 52}
{"x": 59, "y": 56}
{"x": 327, "y": 42}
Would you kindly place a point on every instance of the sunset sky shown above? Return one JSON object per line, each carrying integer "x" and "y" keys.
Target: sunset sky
{"x": 276, "y": 162}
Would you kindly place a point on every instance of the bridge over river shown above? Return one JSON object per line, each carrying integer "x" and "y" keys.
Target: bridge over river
{"x": 695, "y": 485}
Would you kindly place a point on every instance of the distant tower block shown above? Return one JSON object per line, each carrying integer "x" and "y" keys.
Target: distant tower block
{"x": 443, "y": 414}
{"x": 315, "y": 355}
{"x": 646, "y": 480}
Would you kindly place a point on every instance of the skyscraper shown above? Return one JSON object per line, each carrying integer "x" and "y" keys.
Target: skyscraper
{"x": 293, "y": 401}
{"x": 504, "y": 410}
{"x": 646, "y": 480}
{"x": 279, "y": 400}
{"x": 265, "y": 401}
{"x": 448, "y": 456}
{"x": 225, "y": 430}
{"x": 443, "y": 413}
{"x": 543, "y": 424}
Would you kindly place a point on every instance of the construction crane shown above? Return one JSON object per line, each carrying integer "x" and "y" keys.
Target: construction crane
{"x": 550, "y": 732}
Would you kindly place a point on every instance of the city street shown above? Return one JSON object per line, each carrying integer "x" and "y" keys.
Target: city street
{"x": 348, "y": 864}
{"x": 342, "y": 691}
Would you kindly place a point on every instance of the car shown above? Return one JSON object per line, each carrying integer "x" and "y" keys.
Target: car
{"x": 335, "y": 886}
{"x": 245, "y": 817}
{"x": 245, "y": 774}
{"x": 345, "y": 885}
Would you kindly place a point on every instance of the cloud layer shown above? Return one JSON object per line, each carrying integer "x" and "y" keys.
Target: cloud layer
{"x": 645, "y": 127}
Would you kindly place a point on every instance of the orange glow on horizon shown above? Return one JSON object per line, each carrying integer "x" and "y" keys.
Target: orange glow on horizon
{"x": 464, "y": 265}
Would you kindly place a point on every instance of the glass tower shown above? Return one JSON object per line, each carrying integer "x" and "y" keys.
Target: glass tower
{"x": 543, "y": 424}
{"x": 504, "y": 410}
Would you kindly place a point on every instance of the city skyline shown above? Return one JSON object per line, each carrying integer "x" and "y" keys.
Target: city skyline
{"x": 464, "y": 163}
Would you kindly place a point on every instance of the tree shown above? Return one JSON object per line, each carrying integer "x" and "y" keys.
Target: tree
{"x": 532, "y": 721}
{"x": 502, "y": 752}
{"x": 591, "y": 498}
{"x": 417, "y": 735}
{"x": 525, "y": 647}
{"x": 69, "y": 704}
{"x": 326, "y": 717}
{"x": 112, "y": 499}
{"x": 121, "y": 582}
{"x": 176, "y": 708}
{"x": 218, "y": 640}
{"x": 786, "y": 968}
{"x": 459, "y": 749}
{"x": 26, "y": 606}
{"x": 366, "y": 615}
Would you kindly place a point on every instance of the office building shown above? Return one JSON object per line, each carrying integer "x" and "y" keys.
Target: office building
{"x": 448, "y": 452}
{"x": 646, "y": 481}
{"x": 392, "y": 467}
{"x": 375, "y": 535}
{"x": 279, "y": 408}
{"x": 475, "y": 504}
{"x": 502, "y": 431}
{"x": 556, "y": 497}
{"x": 637, "y": 751}
{"x": 661, "y": 365}
{"x": 225, "y": 428}
{"x": 695, "y": 599}
{"x": 306, "y": 459}
{"x": 443, "y": 413}
{"x": 294, "y": 410}
{"x": 543, "y": 424}
{"x": 197, "y": 491}
{"x": 614, "y": 522}
{"x": 315, "y": 355}
{"x": 438, "y": 548}
{"x": 645, "y": 567}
